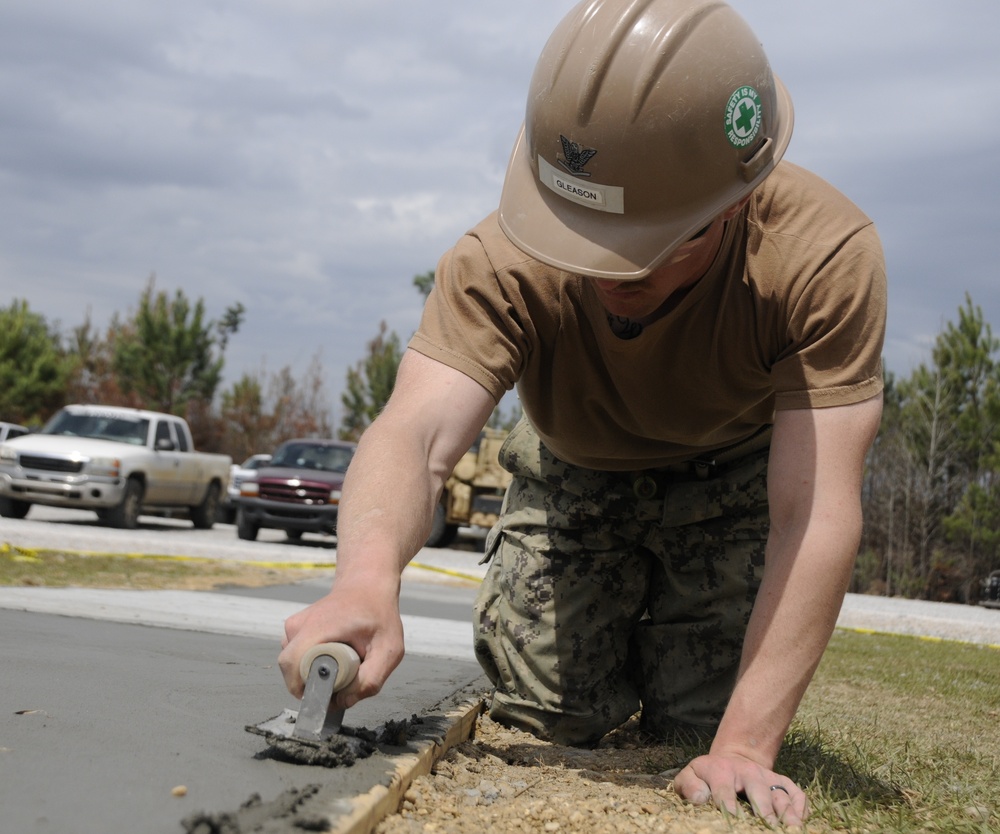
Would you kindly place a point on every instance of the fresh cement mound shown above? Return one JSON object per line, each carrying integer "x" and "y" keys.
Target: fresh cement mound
{"x": 340, "y": 750}
{"x": 409, "y": 748}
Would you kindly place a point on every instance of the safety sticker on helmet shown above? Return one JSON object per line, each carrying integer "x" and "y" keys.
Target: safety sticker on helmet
{"x": 743, "y": 117}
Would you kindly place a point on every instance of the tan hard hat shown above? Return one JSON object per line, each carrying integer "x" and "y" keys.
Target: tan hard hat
{"x": 646, "y": 119}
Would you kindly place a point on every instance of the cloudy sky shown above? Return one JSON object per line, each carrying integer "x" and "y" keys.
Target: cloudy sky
{"x": 307, "y": 158}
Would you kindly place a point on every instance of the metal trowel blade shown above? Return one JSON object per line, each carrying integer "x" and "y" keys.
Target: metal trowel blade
{"x": 281, "y": 725}
{"x": 284, "y": 725}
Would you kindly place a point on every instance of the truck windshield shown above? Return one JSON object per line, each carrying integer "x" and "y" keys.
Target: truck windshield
{"x": 312, "y": 456}
{"x": 100, "y": 426}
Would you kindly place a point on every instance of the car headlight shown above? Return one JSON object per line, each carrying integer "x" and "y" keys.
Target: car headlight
{"x": 334, "y": 496}
{"x": 249, "y": 489}
{"x": 105, "y": 467}
{"x": 8, "y": 454}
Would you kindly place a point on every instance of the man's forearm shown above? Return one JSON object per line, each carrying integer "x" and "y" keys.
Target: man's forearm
{"x": 814, "y": 496}
{"x": 795, "y": 613}
{"x": 402, "y": 462}
{"x": 387, "y": 504}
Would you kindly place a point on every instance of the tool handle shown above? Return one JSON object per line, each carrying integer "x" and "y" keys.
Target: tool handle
{"x": 347, "y": 662}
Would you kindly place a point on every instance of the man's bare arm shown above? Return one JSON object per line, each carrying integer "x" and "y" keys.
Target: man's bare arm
{"x": 389, "y": 496}
{"x": 814, "y": 492}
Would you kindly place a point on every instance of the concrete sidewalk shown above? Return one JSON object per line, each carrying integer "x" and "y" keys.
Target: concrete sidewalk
{"x": 105, "y": 719}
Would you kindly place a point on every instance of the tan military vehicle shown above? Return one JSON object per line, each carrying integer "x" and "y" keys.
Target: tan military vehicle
{"x": 473, "y": 494}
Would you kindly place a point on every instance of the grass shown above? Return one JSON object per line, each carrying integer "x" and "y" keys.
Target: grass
{"x": 899, "y": 734}
{"x": 21, "y": 567}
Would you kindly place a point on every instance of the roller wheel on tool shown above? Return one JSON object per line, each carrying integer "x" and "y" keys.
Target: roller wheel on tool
{"x": 347, "y": 662}
{"x": 125, "y": 515}
{"x": 245, "y": 528}
{"x": 203, "y": 516}
{"x": 12, "y": 508}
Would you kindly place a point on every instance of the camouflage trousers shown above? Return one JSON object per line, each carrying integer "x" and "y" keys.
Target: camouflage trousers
{"x": 608, "y": 591}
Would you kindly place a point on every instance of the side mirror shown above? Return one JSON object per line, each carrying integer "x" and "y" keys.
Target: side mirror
{"x": 164, "y": 444}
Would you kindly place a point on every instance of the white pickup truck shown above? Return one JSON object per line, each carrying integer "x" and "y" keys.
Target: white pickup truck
{"x": 116, "y": 461}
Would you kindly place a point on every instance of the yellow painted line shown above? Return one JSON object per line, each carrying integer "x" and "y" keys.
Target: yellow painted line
{"x": 447, "y": 572}
{"x": 34, "y": 554}
{"x": 31, "y": 554}
{"x": 924, "y": 638}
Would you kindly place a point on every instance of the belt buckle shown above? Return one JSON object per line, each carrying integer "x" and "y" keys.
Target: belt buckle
{"x": 645, "y": 487}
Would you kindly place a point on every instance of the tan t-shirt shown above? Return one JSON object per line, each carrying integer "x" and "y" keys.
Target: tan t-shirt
{"x": 790, "y": 315}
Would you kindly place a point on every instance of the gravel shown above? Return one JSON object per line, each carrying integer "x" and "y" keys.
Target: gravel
{"x": 920, "y": 618}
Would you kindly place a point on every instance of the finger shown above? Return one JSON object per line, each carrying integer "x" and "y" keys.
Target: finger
{"x": 694, "y": 789}
{"x": 797, "y": 809}
{"x": 780, "y": 802}
{"x": 769, "y": 802}
{"x": 382, "y": 659}
{"x": 691, "y": 787}
{"x": 725, "y": 798}
{"x": 293, "y": 624}
{"x": 288, "y": 662}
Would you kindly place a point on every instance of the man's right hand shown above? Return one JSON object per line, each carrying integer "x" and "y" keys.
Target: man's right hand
{"x": 367, "y": 621}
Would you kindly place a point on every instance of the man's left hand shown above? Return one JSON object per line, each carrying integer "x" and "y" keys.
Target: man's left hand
{"x": 722, "y": 779}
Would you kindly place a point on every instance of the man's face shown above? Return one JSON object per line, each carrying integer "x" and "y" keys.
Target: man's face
{"x": 637, "y": 300}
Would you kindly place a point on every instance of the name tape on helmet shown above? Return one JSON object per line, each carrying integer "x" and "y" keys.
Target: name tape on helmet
{"x": 609, "y": 198}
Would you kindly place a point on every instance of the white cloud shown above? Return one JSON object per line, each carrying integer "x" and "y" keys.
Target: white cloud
{"x": 307, "y": 158}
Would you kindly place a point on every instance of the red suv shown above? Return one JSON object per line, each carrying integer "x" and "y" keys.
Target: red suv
{"x": 297, "y": 491}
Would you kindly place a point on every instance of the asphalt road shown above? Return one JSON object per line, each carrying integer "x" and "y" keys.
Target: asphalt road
{"x": 51, "y": 527}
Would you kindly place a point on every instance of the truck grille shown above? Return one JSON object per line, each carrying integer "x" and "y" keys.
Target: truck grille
{"x": 51, "y": 464}
{"x": 301, "y": 494}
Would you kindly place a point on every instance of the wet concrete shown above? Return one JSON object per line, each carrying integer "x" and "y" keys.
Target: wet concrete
{"x": 104, "y": 723}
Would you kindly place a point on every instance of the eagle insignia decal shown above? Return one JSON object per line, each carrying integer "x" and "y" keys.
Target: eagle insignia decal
{"x": 575, "y": 157}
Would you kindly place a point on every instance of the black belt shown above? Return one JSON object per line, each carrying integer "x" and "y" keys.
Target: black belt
{"x": 648, "y": 484}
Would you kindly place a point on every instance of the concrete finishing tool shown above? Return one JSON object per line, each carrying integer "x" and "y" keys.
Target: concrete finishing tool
{"x": 310, "y": 734}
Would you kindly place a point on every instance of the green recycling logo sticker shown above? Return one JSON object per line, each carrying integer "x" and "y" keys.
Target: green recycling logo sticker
{"x": 744, "y": 114}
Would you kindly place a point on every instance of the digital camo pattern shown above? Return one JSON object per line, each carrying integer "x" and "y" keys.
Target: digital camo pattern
{"x": 597, "y": 601}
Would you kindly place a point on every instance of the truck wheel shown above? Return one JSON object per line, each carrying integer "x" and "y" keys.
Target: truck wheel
{"x": 442, "y": 533}
{"x": 294, "y": 535}
{"x": 245, "y": 528}
{"x": 125, "y": 515}
{"x": 12, "y": 508}
{"x": 203, "y": 516}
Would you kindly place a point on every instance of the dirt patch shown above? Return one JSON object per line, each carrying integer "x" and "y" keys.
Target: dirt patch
{"x": 503, "y": 780}
{"x": 21, "y": 567}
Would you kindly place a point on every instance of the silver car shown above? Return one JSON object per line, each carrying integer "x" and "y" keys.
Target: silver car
{"x": 238, "y": 473}
{"x": 8, "y": 431}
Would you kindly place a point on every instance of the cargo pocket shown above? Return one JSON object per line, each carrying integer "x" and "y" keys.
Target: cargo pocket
{"x": 493, "y": 538}
{"x": 521, "y": 451}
